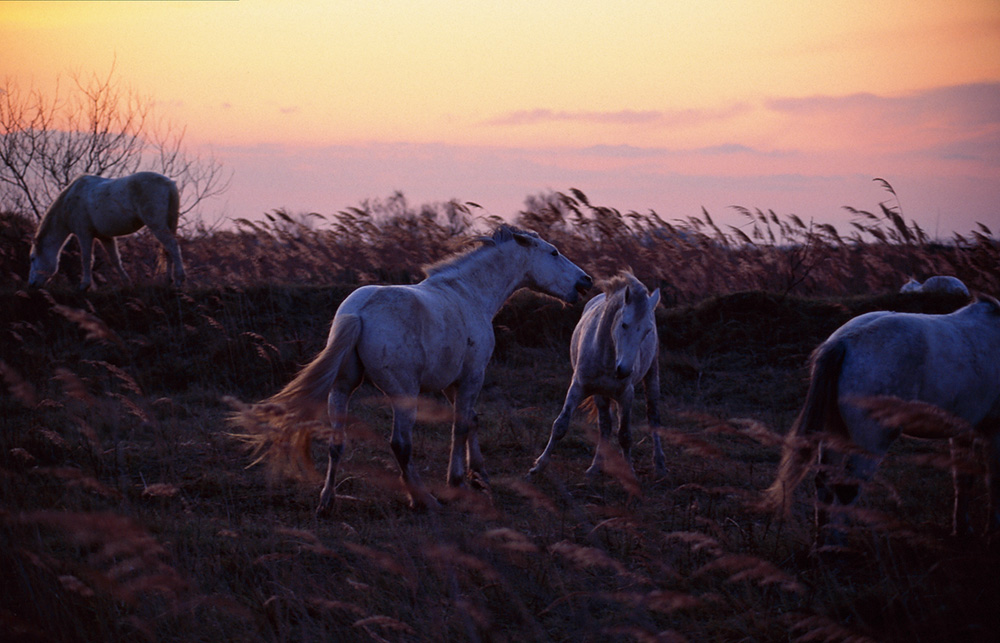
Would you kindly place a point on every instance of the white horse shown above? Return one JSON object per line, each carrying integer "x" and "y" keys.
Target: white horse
{"x": 93, "y": 207}
{"x": 614, "y": 347}
{"x": 436, "y": 335}
{"x": 931, "y": 363}
{"x": 938, "y": 284}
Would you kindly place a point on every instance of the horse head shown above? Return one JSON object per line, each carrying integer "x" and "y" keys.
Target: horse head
{"x": 633, "y": 322}
{"x": 548, "y": 271}
{"x": 44, "y": 262}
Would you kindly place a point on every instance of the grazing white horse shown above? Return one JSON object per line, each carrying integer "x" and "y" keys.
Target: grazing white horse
{"x": 938, "y": 284}
{"x": 934, "y": 362}
{"x": 96, "y": 208}
{"x": 436, "y": 335}
{"x": 614, "y": 347}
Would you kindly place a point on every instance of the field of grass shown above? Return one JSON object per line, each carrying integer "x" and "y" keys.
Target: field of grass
{"x": 127, "y": 512}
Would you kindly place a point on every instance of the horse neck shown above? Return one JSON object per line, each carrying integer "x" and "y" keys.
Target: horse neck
{"x": 485, "y": 278}
{"x": 605, "y": 326}
{"x": 53, "y": 229}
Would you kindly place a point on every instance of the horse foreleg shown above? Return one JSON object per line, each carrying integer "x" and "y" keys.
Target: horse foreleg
{"x": 474, "y": 457}
{"x": 460, "y": 441}
{"x": 337, "y": 405}
{"x": 604, "y": 424}
{"x": 652, "y": 391}
{"x": 573, "y": 398}
{"x": 111, "y": 247}
{"x": 86, "y": 261}
{"x": 464, "y": 440}
{"x": 404, "y": 417}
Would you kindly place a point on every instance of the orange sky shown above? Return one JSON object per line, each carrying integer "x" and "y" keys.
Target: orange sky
{"x": 665, "y": 105}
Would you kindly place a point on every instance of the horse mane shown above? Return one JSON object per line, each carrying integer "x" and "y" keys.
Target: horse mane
{"x": 619, "y": 281}
{"x": 502, "y": 234}
{"x": 991, "y": 301}
{"x": 48, "y": 219}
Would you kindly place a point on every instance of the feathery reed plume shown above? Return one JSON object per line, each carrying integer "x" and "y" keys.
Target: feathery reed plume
{"x": 94, "y": 327}
{"x": 912, "y": 417}
{"x": 19, "y": 388}
{"x": 817, "y": 627}
{"x": 124, "y": 558}
{"x": 744, "y": 567}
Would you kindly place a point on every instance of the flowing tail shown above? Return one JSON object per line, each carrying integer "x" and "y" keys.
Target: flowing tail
{"x": 819, "y": 414}
{"x": 280, "y": 429}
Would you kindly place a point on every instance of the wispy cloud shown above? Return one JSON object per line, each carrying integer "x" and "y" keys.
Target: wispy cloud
{"x": 541, "y": 116}
{"x": 663, "y": 118}
{"x": 971, "y": 105}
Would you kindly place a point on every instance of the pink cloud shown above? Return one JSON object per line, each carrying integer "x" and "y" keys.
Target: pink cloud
{"x": 668, "y": 118}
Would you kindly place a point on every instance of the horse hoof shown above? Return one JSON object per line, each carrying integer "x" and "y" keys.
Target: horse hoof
{"x": 423, "y": 505}
{"x": 479, "y": 480}
{"x": 325, "y": 508}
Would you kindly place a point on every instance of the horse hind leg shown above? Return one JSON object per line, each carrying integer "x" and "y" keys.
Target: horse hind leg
{"x": 993, "y": 483}
{"x": 404, "y": 417}
{"x": 337, "y": 405}
{"x": 962, "y": 480}
{"x": 111, "y": 247}
{"x": 172, "y": 250}
{"x": 838, "y": 485}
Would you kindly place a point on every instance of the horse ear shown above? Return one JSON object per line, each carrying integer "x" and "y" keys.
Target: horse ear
{"x": 654, "y": 298}
{"x": 628, "y": 295}
{"x": 523, "y": 240}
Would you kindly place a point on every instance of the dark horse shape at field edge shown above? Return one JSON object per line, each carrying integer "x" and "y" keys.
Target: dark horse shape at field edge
{"x": 436, "y": 335}
{"x": 922, "y": 363}
{"x": 96, "y": 208}
{"x": 613, "y": 348}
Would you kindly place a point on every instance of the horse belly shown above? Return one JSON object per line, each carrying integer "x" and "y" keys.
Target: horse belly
{"x": 400, "y": 361}
{"x": 113, "y": 216}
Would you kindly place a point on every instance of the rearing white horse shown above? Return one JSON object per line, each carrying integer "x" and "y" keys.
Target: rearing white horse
{"x": 614, "y": 347}
{"x": 436, "y": 335}
{"x": 96, "y": 208}
{"x": 951, "y": 362}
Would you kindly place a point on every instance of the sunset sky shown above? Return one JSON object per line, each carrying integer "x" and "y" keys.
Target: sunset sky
{"x": 664, "y": 105}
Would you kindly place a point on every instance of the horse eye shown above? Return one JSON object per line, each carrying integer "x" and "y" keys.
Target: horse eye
{"x": 624, "y": 326}
{"x": 555, "y": 253}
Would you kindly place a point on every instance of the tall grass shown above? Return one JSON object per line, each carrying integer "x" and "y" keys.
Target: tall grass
{"x": 128, "y": 513}
{"x": 388, "y": 241}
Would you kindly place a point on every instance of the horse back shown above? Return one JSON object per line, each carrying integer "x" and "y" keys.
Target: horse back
{"x": 950, "y": 361}
{"x": 116, "y": 207}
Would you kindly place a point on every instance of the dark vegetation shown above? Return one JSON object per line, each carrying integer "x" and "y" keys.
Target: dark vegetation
{"x": 128, "y": 513}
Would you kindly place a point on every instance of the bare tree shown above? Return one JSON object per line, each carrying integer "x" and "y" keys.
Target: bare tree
{"x": 98, "y": 128}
